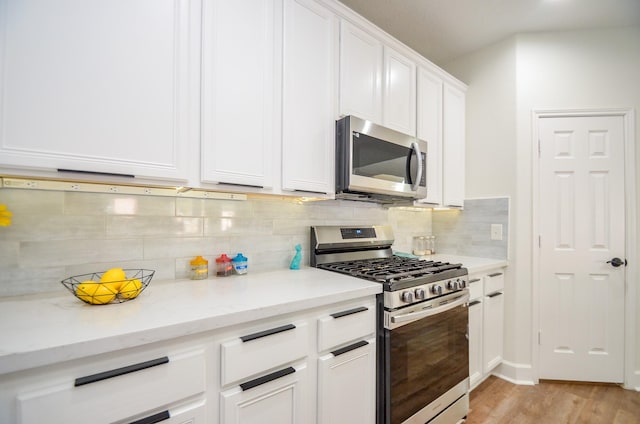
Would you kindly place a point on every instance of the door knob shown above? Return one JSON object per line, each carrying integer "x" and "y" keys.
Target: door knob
{"x": 616, "y": 262}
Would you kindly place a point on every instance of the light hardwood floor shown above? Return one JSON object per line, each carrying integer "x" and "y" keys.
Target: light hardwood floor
{"x": 497, "y": 401}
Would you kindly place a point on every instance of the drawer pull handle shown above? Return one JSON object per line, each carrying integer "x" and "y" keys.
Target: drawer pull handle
{"x": 266, "y": 333}
{"x": 267, "y": 378}
{"x": 349, "y": 312}
{"x": 152, "y": 419}
{"x": 349, "y": 348}
{"x": 475, "y": 302}
{"x": 475, "y": 280}
{"x": 495, "y": 294}
{"x": 106, "y": 174}
{"x": 495, "y": 274}
{"x": 120, "y": 371}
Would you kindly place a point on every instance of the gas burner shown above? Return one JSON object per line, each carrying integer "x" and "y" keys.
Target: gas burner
{"x": 391, "y": 269}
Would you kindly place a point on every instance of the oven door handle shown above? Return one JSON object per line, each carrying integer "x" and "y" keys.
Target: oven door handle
{"x": 413, "y": 316}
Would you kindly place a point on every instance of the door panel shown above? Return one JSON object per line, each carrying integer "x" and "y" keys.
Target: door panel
{"x": 582, "y": 226}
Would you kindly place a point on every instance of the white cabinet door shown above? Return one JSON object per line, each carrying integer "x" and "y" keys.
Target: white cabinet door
{"x": 239, "y": 92}
{"x": 399, "y": 92}
{"x": 309, "y": 92}
{"x": 429, "y": 129}
{"x": 99, "y": 86}
{"x": 346, "y": 385}
{"x": 361, "y": 57}
{"x": 475, "y": 342}
{"x": 453, "y": 146}
{"x": 281, "y": 399}
{"x": 493, "y": 330}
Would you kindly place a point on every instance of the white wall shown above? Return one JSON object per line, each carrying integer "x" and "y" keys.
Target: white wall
{"x": 561, "y": 70}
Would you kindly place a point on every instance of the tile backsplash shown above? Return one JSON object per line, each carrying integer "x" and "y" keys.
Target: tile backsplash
{"x": 468, "y": 232}
{"x": 57, "y": 234}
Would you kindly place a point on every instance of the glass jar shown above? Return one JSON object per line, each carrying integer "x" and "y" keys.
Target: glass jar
{"x": 224, "y": 266}
{"x": 424, "y": 245}
{"x": 240, "y": 265}
{"x": 199, "y": 268}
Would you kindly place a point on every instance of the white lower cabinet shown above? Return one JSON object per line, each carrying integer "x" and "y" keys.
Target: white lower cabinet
{"x": 486, "y": 324}
{"x": 315, "y": 365}
{"x": 346, "y": 385}
{"x": 476, "y": 372}
{"x": 125, "y": 388}
{"x": 346, "y": 373}
{"x": 277, "y": 397}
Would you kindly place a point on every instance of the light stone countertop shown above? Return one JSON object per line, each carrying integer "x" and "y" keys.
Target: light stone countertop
{"x": 44, "y": 329}
{"x": 473, "y": 264}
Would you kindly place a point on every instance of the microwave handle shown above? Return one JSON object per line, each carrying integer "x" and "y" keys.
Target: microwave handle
{"x": 416, "y": 148}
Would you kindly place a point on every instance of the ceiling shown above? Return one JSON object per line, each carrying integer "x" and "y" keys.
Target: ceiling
{"x": 442, "y": 30}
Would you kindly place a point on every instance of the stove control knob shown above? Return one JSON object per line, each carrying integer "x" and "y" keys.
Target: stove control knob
{"x": 453, "y": 285}
{"x": 406, "y": 297}
{"x": 436, "y": 289}
{"x": 420, "y": 294}
{"x": 463, "y": 284}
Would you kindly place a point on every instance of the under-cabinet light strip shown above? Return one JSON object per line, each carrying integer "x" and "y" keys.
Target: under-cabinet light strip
{"x": 35, "y": 184}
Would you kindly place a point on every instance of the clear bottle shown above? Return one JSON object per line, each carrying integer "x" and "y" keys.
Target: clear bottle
{"x": 199, "y": 268}
{"x": 240, "y": 265}
{"x": 224, "y": 267}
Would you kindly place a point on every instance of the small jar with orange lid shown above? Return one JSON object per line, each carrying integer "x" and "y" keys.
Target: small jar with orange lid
{"x": 199, "y": 268}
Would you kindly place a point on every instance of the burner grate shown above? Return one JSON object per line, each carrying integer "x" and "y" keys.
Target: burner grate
{"x": 391, "y": 269}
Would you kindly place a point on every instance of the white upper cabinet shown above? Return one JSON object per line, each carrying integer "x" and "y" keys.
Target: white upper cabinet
{"x": 453, "y": 146}
{"x": 240, "y": 92}
{"x": 377, "y": 82}
{"x": 399, "y": 92}
{"x": 309, "y": 93}
{"x": 361, "y": 60}
{"x": 429, "y": 127}
{"x": 99, "y": 86}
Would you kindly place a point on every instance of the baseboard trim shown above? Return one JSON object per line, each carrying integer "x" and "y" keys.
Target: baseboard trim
{"x": 515, "y": 373}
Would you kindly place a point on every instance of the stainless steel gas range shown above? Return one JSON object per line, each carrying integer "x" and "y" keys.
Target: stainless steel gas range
{"x": 422, "y": 330}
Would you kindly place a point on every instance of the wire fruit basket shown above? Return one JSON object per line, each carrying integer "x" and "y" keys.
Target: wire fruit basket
{"x": 97, "y": 289}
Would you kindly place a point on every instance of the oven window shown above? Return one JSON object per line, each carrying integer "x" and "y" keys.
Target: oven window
{"x": 383, "y": 160}
{"x": 427, "y": 358}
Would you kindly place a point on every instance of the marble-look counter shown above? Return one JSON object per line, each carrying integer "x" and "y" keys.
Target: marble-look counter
{"x": 473, "y": 264}
{"x": 45, "y": 329}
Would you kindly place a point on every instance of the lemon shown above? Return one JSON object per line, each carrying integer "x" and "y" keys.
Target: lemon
{"x": 130, "y": 289}
{"x": 95, "y": 293}
{"x": 113, "y": 278}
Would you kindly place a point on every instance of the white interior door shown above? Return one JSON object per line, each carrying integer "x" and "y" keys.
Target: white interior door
{"x": 582, "y": 226}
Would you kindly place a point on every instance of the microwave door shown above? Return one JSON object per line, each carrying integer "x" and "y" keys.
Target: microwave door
{"x": 380, "y": 166}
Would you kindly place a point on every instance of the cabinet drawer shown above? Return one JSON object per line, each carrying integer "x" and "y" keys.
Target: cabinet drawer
{"x": 494, "y": 281}
{"x": 346, "y": 325}
{"x": 476, "y": 286}
{"x": 258, "y": 352}
{"x": 116, "y": 394}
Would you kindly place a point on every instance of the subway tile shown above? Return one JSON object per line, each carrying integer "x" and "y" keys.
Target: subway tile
{"x": 153, "y": 226}
{"x": 9, "y": 250}
{"x": 32, "y": 202}
{"x": 118, "y": 204}
{"x": 75, "y": 252}
{"x": 213, "y": 208}
{"x": 235, "y": 226}
{"x": 16, "y": 281}
{"x": 53, "y": 227}
{"x": 174, "y": 247}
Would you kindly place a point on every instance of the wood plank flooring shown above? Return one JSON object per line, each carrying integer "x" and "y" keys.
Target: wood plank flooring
{"x": 497, "y": 401}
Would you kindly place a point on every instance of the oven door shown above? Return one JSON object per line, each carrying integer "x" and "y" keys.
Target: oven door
{"x": 425, "y": 359}
{"x": 375, "y": 159}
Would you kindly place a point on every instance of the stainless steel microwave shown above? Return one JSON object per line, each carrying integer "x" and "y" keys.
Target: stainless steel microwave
{"x": 378, "y": 164}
